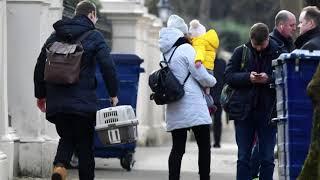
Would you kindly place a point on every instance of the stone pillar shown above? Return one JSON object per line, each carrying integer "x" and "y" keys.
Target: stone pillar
{"x": 151, "y": 128}
{"x": 8, "y": 161}
{"x": 28, "y": 28}
{"x": 4, "y": 169}
{"x": 55, "y": 13}
{"x": 124, "y": 15}
{"x": 3, "y": 166}
{"x": 145, "y": 109}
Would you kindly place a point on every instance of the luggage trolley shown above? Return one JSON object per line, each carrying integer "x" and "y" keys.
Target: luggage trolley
{"x": 116, "y": 128}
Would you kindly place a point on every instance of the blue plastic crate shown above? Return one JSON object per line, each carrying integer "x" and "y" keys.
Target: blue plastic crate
{"x": 293, "y": 72}
{"x": 128, "y": 71}
{"x": 295, "y": 158}
{"x": 128, "y": 66}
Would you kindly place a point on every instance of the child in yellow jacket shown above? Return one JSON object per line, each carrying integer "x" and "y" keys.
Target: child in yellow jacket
{"x": 205, "y": 45}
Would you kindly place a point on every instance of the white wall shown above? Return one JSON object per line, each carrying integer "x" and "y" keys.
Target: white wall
{"x": 4, "y": 167}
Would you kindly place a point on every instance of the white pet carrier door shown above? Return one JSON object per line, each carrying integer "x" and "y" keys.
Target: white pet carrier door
{"x": 114, "y": 136}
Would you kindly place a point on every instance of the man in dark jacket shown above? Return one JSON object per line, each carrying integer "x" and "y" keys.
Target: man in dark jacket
{"x": 309, "y": 39}
{"x": 285, "y": 27}
{"x": 219, "y": 68}
{"x": 72, "y": 108}
{"x": 253, "y": 100}
{"x": 309, "y": 24}
{"x": 283, "y": 32}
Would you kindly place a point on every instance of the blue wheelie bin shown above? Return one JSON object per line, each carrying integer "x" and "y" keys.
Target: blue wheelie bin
{"x": 293, "y": 71}
{"x": 128, "y": 70}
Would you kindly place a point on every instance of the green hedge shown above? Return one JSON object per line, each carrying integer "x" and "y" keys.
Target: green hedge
{"x": 231, "y": 33}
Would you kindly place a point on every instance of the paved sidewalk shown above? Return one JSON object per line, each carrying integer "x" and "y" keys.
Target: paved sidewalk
{"x": 151, "y": 163}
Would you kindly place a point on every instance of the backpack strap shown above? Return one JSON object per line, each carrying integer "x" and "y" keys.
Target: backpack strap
{"x": 84, "y": 35}
{"x": 185, "y": 80}
{"x": 244, "y": 56}
{"x": 170, "y": 60}
{"x": 170, "y": 56}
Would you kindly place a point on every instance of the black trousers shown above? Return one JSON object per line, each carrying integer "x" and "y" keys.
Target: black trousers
{"x": 217, "y": 125}
{"x": 179, "y": 137}
{"x": 76, "y": 133}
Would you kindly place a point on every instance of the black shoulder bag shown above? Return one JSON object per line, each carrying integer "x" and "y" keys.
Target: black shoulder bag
{"x": 227, "y": 91}
{"x": 164, "y": 85}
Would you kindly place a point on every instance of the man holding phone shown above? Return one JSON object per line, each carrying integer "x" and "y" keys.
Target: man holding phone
{"x": 283, "y": 32}
{"x": 255, "y": 100}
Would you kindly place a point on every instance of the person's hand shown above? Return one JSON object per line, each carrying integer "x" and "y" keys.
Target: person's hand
{"x": 114, "y": 101}
{"x": 213, "y": 109}
{"x": 253, "y": 76}
{"x": 41, "y": 103}
{"x": 198, "y": 64}
{"x": 207, "y": 90}
{"x": 261, "y": 78}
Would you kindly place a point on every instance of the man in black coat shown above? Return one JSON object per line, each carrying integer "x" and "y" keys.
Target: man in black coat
{"x": 309, "y": 24}
{"x": 253, "y": 100}
{"x": 72, "y": 108}
{"x": 285, "y": 27}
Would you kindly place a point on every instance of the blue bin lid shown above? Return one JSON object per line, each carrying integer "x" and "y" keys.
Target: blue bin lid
{"x": 126, "y": 59}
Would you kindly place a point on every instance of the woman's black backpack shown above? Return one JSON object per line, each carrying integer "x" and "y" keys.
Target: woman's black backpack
{"x": 164, "y": 85}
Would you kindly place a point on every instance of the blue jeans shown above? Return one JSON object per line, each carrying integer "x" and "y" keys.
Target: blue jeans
{"x": 245, "y": 134}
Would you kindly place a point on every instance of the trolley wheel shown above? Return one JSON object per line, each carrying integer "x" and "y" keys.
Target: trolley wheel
{"x": 127, "y": 161}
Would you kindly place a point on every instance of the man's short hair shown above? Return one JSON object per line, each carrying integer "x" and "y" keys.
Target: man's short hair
{"x": 282, "y": 16}
{"x": 84, "y": 8}
{"x": 259, "y": 32}
{"x": 312, "y": 13}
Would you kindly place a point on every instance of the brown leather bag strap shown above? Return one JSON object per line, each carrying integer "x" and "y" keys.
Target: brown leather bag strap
{"x": 84, "y": 35}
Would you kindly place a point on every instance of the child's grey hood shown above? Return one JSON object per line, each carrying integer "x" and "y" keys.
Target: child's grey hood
{"x": 167, "y": 38}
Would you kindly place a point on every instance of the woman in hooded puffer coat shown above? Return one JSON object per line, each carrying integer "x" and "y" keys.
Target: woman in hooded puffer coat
{"x": 191, "y": 111}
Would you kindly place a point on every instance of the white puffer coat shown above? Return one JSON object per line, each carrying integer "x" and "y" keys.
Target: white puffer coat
{"x": 192, "y": 109}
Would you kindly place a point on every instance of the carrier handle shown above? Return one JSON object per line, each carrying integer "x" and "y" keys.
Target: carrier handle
{"x": 279, "y": 119}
